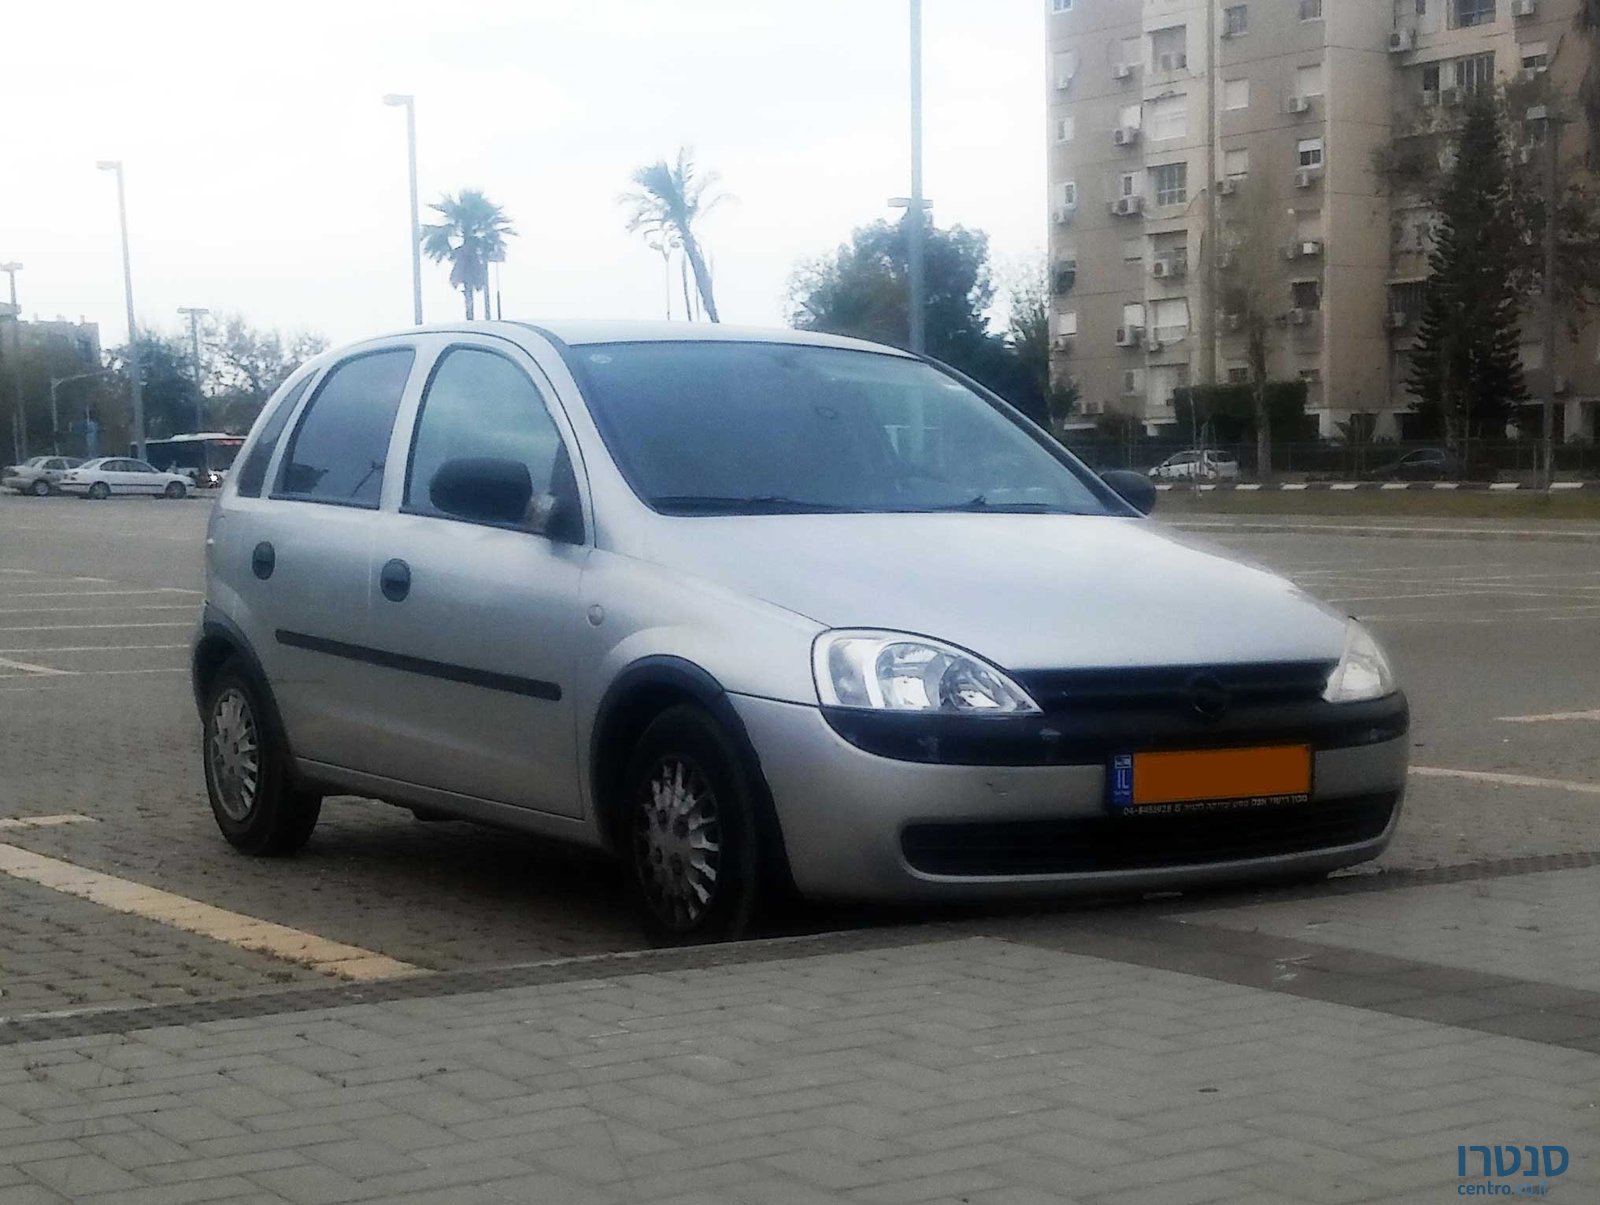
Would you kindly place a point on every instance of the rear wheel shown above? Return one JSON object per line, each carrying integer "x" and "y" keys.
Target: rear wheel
{"x": 175, "y": 489}
{"x": 691, "y": 837}
{"x": 40, "y": 488}
{"x": 253, "y": 797}
{"x": 99, "y": 491}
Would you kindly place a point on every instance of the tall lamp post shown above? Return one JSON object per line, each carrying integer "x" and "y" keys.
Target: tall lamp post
{"x": 194, "y": 313}
{"x": 409, "y": 103}
{"x": 916, "y": 207}
{"x": 134, "y": 369}
{"x": 19, "y": 429}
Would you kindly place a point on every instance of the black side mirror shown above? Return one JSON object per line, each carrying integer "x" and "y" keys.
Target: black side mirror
{"x": 1137, "y": 490}
{"x": 483, "y": 490}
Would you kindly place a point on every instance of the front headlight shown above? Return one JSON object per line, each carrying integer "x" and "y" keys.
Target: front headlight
{"x": 894, "y": 671}
{"x": 1363, "y": 672}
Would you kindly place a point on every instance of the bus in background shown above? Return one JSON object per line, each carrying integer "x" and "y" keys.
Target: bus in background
{"x": 204, "y": 457}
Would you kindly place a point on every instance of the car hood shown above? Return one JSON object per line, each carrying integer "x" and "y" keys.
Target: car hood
{"x": 1025, "y": 591}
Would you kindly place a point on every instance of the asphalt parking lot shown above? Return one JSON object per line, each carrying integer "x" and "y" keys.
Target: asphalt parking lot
{"x": 1495, "y": 639}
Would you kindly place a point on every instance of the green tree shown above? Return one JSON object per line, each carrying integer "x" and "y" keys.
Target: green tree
{"x": 1465, "y": 368}
{"x": 666, "y": 205}
{"x": 1253, "y": 296}
{"x": 1028, "y": 348}
{"x": 167, "y": 375}
{"x": 244, "y": 364}
{"x": 472, "y": 235}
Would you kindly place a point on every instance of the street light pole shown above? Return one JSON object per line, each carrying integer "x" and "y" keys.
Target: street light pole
{"x": 134, "y": 369}
{"x": 19, "y": 429}
{"x": 194, "y": 313}
{"x": 914, "y": 214}
{"x": 409, "y": 103}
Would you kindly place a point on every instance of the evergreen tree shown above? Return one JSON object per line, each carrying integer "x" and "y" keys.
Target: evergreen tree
{"x": 1466, "y": 370}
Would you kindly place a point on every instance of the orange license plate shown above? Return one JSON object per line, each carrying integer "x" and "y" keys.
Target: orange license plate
{"x": 1267, "y": 774}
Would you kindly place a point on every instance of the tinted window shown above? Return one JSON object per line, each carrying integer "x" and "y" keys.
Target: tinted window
{"x": 751, "y": 428}
{"x": 337, "y": 452}
{"x": 137, "y": 466}
{"x": 252, "y": 474}
{"x": 480, "y": 404}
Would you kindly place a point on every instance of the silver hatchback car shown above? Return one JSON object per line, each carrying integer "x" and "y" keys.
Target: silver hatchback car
{"x": 761, "y": 611}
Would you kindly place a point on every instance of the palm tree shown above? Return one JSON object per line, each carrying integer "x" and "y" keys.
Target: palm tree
{"x": 472, "y": 234}
{"x": 669, "y": 200}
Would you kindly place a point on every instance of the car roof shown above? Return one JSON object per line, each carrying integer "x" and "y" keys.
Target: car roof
{"x": 580, "y": 332}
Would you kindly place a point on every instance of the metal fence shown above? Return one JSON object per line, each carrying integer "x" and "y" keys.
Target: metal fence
{"x": 1510, "y": 460}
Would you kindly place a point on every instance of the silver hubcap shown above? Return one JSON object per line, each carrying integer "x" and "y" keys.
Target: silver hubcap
{"x": 234, "y": 754}
{"x": 678, "y": 842}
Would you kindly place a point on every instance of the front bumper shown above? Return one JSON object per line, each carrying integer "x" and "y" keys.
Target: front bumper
{"x": 857, "y": 825}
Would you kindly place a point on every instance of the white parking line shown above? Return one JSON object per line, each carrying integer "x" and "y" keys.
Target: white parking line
{"x": 16, "y": 822}
{"x": 1550, "y": 717}
{"x": 90, "y": 627}
{"x": 105, "y": 593}
{"x": 1508, "y": 780}
{"x": 99, "y": 648}
{"x": 56, "y": 609}
{"x": 31, "y": 669}
{"x": 192, "y": 916}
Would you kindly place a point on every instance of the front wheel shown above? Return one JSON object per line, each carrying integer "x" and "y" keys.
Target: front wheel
{"x": 175, "y": 489}
{"x": 257, "y": 806}
{"x": 40, "y": 488}
{"x": 691, "y": 831}
{"x": 99, "y": 491}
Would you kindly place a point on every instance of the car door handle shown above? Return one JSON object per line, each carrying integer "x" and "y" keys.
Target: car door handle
{"x": 263, "y": 560}
{"x": 395, "y": 580}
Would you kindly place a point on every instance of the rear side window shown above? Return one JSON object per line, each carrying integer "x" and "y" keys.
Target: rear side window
{"x": 252, "y": 474}
{"x": 480, "y": 404}
{"x": 336, "y": 454}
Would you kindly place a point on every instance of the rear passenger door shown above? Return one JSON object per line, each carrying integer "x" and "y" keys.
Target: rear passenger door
{"x": 479, "y": 700}
{"x": 302, "y": 555}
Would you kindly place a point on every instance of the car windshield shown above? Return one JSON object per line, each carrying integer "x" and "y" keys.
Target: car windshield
{"x": 764, "y": 428}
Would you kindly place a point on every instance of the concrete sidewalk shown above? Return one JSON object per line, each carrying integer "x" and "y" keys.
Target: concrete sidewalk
{"x": 1333, "y": 1044}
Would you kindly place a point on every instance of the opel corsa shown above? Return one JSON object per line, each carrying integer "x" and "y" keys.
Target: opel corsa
{"x": 761, "y": 611}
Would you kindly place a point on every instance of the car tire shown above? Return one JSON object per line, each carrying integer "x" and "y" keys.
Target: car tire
{"x": 40, "y": 488}
{"x": 689, "y": 831}
{"x": 253, "y": 796}
{"x": 99, "y": 491}
{"x": 175, "y": 489}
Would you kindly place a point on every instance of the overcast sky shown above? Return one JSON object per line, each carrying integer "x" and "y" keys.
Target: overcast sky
{"x": 265, "y": 176}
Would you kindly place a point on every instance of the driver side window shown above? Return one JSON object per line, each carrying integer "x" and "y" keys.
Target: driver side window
{"x": 479, "y": 405}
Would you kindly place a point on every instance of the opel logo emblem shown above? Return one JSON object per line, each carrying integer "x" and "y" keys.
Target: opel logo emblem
{"x": 1208, "y": 697}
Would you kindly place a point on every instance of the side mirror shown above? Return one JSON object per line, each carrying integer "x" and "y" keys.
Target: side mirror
{"x": 1137, "y": 490}
{"x": 483, "y": 490}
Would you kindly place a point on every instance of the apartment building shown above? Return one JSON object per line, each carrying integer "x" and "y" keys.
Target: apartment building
{"x": 1162, "y": 115}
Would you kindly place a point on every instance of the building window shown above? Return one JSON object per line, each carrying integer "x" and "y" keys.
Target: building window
{"x": 1535, "y": 56}
{"x": 1172, "y": 319}
{"x": 1171, "y": 183}
{"x": 1235, "y": 20}
{"x": 1061, "y": 6}
{"x": 1236, "y": 164}
{"x": 1133, "y": 381}
{"x": 1133, "y": 250}
{"x": 1406, "y": 298}
{"x": 1238, "y": 374}
{"x": 1475, "y": 72}
{"x": 1066, "y": 127}
{"x": 1069, "y": 195}
{"x": 1066, "y": 67}
{"x": 1128, "y": 184}
{"x": 1306, "y": 295}
{"x": 1168, "y": 118}
{"x": 1133, "y": 314}
{"x": 1464, "y": 13}
{"x": 1308, "y": 80}
{"x": 1169, "y": 48}
{"x": 1236, "y": 94}
{"x": 1311, "y": 10}
{"x": 1067, "y": 323}
{"x": 1430, "y": 79}
{"x": 1308, "y": 152}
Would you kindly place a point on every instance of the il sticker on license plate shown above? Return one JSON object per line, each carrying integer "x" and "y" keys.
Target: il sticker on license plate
{"x": 1209, "y": 779}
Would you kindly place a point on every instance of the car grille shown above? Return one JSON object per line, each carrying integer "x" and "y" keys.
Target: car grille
{"x": 1110, "y": 843}
{"x": 1152, "y": 690}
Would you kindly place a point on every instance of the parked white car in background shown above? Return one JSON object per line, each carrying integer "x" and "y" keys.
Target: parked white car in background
{"x": 38, "y": 475}
{"x": 119, "y": 475}
{"x": 1197, "y": 466}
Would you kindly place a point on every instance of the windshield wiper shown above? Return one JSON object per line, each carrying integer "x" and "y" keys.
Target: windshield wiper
{"x": 760, "y": 504}
{"x": 982, "y": 503}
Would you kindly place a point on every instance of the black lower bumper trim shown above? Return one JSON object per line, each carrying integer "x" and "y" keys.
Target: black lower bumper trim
{"x": 1109, "y": 843}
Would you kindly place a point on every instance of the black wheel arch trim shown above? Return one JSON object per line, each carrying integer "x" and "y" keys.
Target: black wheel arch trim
{"x": 664, "y": 671}
{"x": 217, "y": 627}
